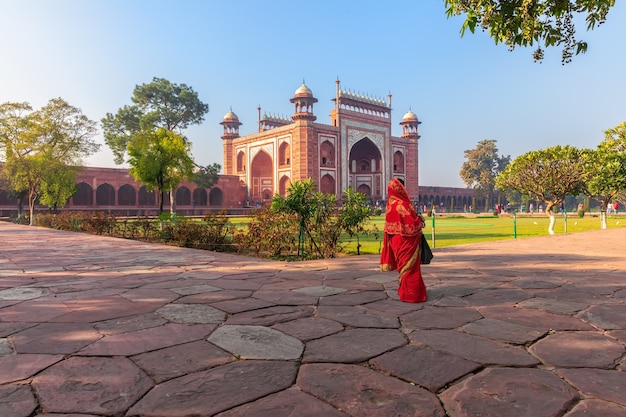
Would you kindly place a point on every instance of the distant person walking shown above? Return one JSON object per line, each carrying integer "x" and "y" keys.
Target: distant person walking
{"x": 403, "y": 229}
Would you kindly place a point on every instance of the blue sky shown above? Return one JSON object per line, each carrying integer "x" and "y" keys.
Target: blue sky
{"x": 246, "y": 53}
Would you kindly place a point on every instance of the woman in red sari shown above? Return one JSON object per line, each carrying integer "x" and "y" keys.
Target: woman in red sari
{"x": 403, "y": 228}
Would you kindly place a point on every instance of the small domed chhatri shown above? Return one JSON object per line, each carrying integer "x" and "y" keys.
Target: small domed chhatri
{"x": 231, "y": 116}
{"x": 409, "y": 117}
{"x": 303, "y": 91}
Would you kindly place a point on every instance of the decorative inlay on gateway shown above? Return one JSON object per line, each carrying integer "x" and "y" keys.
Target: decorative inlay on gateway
{"x": 356, "y": 135}
{"x": 268, "y": 148}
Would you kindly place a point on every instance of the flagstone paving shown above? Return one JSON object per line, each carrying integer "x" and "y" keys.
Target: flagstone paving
{"x": 96, "y": 326}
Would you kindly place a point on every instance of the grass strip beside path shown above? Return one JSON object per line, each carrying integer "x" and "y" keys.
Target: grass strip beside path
{"x": 456, "y": 230}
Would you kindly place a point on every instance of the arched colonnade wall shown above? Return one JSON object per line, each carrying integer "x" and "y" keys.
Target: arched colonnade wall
{"x": 115, "y": 190}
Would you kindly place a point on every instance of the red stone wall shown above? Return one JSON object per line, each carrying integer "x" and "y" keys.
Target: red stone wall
{"x": 227, "y": 191}
{"x": 233, "y": 193}
{"x": 229, "y": 161}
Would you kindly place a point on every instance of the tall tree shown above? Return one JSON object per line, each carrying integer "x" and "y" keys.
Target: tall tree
{"x": 546, "y": 23}
{"x": 15, "y": 123}
{"x": 57, "y": 188}
{"x": 207, "y": 176}
{"x": 482, "y": 166}
{"x": 606, "y": 169}
{"x": 161, "y": 160}
{"x": 547, "y": 175}
{"x": 56, "y": 136}
{"x": 159, "y": 104}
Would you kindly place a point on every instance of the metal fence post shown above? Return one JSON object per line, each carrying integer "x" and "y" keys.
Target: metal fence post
{"x": 433, "y": 231}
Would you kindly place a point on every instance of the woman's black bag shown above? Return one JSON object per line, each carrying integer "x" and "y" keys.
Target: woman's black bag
{"x": 426, "y": 255}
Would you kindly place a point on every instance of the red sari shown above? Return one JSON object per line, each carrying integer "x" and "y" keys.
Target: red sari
{"x": 400, "y": 252}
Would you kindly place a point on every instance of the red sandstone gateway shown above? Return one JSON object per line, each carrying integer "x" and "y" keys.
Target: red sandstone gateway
{"x": 357, "y": 149}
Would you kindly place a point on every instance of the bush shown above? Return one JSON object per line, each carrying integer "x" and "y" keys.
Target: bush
{"x": 71, "y": 220}
{"x": 211, "y": 234}
{"x": 316, "y": 220}
{"x": 274, "y": 234}
{"x": 126, "y": 229}
{"x": 218, "y": 230}
{"x": 146, "y": 227}
{"x": 24, "y": 219}
{"x": 100, "y": 223}
{"x": 185, "y": 234}
{"x": 48, "y": 220}
{"x": 74, "y": 221}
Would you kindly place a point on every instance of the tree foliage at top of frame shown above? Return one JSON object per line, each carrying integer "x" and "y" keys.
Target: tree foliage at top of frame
{"x": 544, "y": 23}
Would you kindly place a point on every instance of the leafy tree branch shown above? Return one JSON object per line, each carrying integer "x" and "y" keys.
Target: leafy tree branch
{"x": 540, "y": 23}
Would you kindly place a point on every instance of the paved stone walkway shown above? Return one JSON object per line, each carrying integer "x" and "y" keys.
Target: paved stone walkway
{"x": 95, "y": 326}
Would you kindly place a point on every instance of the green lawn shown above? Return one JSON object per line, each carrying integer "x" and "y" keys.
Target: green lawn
{"x": 453, "y": 230}
{"x": 458, "y": 230}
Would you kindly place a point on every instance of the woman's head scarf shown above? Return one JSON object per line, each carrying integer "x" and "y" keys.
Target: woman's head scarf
{"x": 400, "y": 216}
